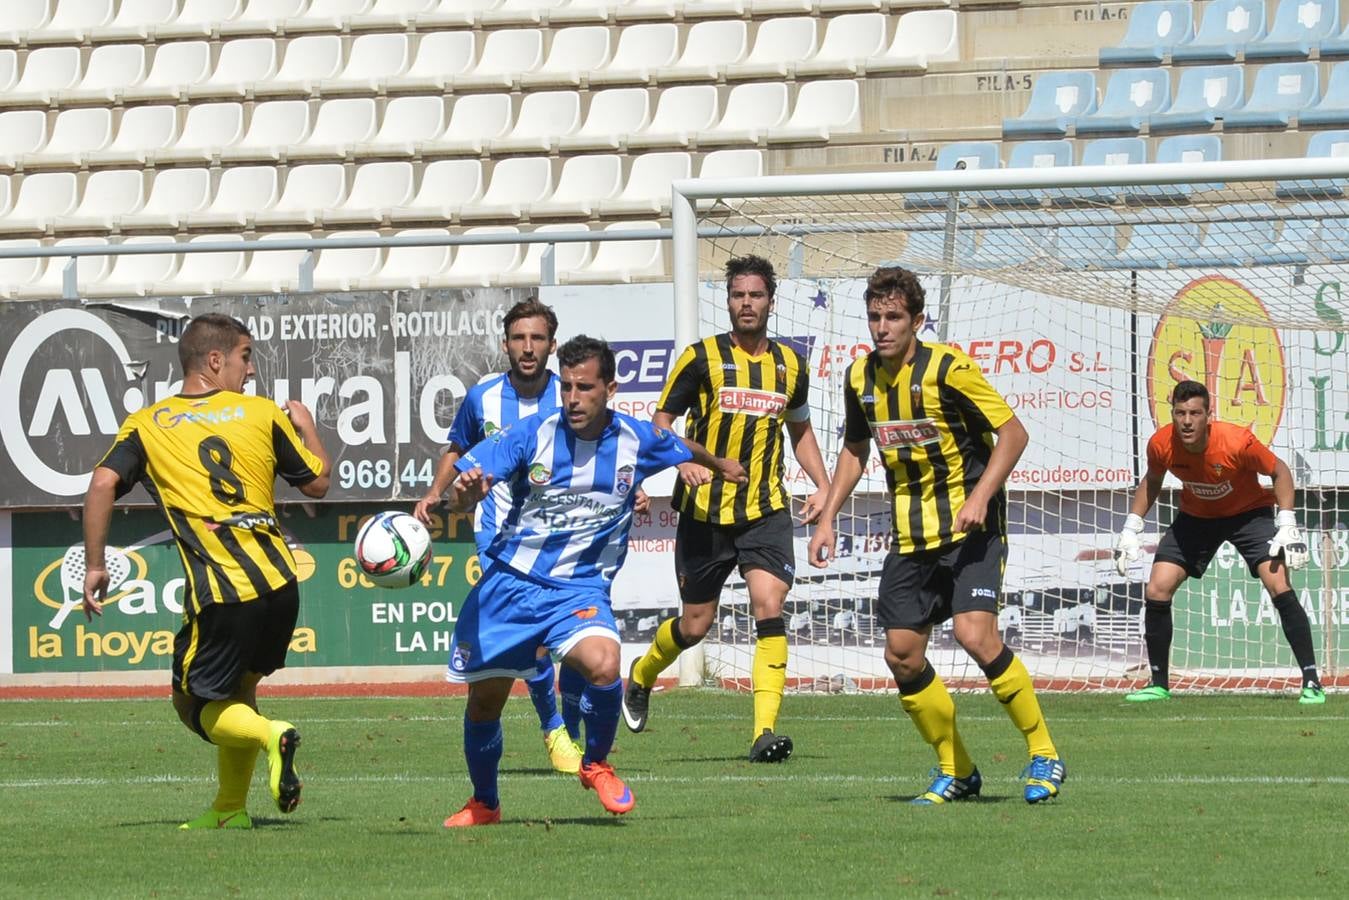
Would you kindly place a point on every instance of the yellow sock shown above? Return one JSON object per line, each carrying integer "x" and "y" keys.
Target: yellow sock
{"x": 770, "y": 677}
{"x": 665, "y": 649}
{"x": 232, "y": 723}
{"x": 1016, "y": 693}
{"x": 234, "y": 766}
{"x": 934, "y": 715}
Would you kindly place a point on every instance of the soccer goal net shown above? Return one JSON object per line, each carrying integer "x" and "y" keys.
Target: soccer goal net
{"x": 1084, "y": 294}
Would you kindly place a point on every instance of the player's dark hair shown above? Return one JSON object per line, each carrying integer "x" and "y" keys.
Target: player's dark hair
{"x": 207, "y": 332}
{"x": 531, "y": 308}
{"x": 896, "y": 280}
{"x": 752, "y": 265}
{"x": 580, "y": 348}
{"x": 1188, "y": 390}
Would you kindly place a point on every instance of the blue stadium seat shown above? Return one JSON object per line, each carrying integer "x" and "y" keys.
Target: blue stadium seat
{"x": 1333, "y": 107}
{"x": 1180, "y": 148}
{"x": 1131, "y": 96}
{"x": 1227, "y": 28}
{"x": 1241, "y": 237}
{"x": 1296, "y": 245}
{"x": 1086, "y": 246}
{"x": 1001, "y": 248}
{"x": 959, "y": 155}
{"x": 1105, "y": 152}
{"x": 1299, "y": 28}
{"x": 1204, "y": 95}
{"x": 1154, "y": 29}
{"x": 1030, "y": 155}
{"x": 1331, "y": 246}
{"x": 1337, "y": 45}
{"x": 1322, "y": 145}
{"x": 1281, "y": 90}
{"x": 1159, "y": 245}
{"x": 1056, "y": 101}
{"x": 924, "y": 250}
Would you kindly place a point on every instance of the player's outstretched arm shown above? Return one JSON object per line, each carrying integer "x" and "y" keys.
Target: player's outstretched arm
{"x": 691, "y": 473}
{"x": 807, "y": 451}
{"x": 445, "y": 473}
{"x": 1011, "y": 443}
{"x": 303, "y": 420}
{"x": 729, "y": 469}
{"x": 1129, "y": 544}
{"x": 847, "y": 472}
{"x": 469, "y": 489}
{"x": 1289, "y": 541}
{"x": 98, "y": 501}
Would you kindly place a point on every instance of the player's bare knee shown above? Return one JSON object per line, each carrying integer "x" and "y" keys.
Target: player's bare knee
{"x": 695, "y": 621}
{"x": 982, "y": 646}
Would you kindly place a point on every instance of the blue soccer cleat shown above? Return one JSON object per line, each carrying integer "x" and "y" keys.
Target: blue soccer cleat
{"x": 1043, "y": 777}
{"x": 948, "y": 788}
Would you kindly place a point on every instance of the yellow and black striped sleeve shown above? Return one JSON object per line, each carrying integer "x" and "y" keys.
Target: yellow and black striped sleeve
{"x": 686, "y": 382}
{"x": 798, "y": 401}
{"x": 977, "y": 399}
{"x": 856, "y": 427}
{"x": 295, "y": 463}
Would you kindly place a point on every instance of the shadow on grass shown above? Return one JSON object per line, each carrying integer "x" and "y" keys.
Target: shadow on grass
{"x": 981, "y": 800}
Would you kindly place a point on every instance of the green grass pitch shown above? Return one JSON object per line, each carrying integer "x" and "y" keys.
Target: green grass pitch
{"x": 1203, "y": 796}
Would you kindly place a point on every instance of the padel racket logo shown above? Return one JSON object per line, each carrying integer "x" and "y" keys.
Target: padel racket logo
{"x": 749, "y": 402}
{"x": 908, "y": 433}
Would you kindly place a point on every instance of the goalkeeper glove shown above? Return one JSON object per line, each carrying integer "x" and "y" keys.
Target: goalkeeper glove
{"x": 1288, "y": 541}
{"x": 1128, "y": 548}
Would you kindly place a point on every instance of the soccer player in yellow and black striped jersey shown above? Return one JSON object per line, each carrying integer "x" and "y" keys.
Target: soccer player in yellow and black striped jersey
{"x": 739, "y": 389}
{"x": 209, "y": 457}
{"x": 948, "y": 441}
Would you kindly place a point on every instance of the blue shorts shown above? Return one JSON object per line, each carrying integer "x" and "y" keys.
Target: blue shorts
{"x": 507, "y": 617}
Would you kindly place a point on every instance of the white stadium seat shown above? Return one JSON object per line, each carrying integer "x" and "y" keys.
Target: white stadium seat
{"x": 709, "y": 49}
{"x": 341, "y": 269}
{"x": 203, "y": 273}
{"x": 823, "y": 109}
{"x": 307, "y": 62}
{"x": 391, "y": 14}
{"x": 638, "y": 10}
{"x": 22, "y": 131}
{"x": 263, "y": 17}
{"x": 409, "y": 267}
{"x": 567, "y": 258}
{"x": 199, "y": 18}
{"x": 19, "y": 18}
{"x": 108, "y": 195}
{"x": 76, "y": 133}
{"x": 622, "y": 261}
{"x": 90, "y": 270}
{"x": 848, "y": 41}
{"x": 242, "y": 192}
{"x": 208, "y": 129}
{"x": 138, "y": 20}
{"x": 752, "y": 110}
{"x": 613, "y": 115}
{"x": 9, "y": 69}
{"x": 140, "y": 274}
{"x": 708, "y": 9}
{"x": 339, "y": 126}
{"x": 371, "y": 60}
{"x": 681, "y": 113}
{"x": 176, "y": 67}
{"x": 515, "y": 184}
{"x": 518, "y": 12}
{"x": 506, "y": 56}
{"x": 475, "y": 121}
{"x": 544, "y": 118}
{"x": 583, "y": 11}
{"x": 242, "y": 64}
{"x": 174, "y": 195}
{"x": 408, "y": 123}
{"x": 921, "y": 37}
{"x": 6, "y": 193}
{"x": 647, "y": 189}
{"x": 73, "y": 21}
{"x": 19, "y": 272}
{"x": 275, "y": 127}
{"x": 375, "y": 188}
{"x": 731, "y": 164}
{"x": 112, "y": 68}
{"x": 46, "y": 72}
{"x": 481, "y": 265}
{"x": 573, "y": 55}
{"x": 779, "y": 45}
{"x": 447, "y": 185}
{"x": 441, "y": 57}
{"x": 455, "y": 13}
{"x": 308, "y": 193}
{"x": 326, "y": 15}
{"x": 642, "y": 51}
{"x": 271, "y": 270}
{"x": 582, "y": 184}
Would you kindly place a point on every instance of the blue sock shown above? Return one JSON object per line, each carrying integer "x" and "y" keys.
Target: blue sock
{"x": 541, "y": 692}
{"x": 600, "y": 709}
{"x": 571, "y": 684}
{"x": 482, "y": 751}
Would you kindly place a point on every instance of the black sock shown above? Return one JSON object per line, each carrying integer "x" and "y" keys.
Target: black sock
{"x": 1157, "y": 632}
{"x": 1298, "y": 630}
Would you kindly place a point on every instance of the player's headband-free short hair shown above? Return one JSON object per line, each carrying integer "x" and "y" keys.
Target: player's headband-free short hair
{"x": 1188, "y": 390}
{"x": 752, "y": 265}
{"x": 581, "y": 348}
{"x": 207, "y": 332}
{"x": 530, "y": 308}
{"x": 898, "y": 281}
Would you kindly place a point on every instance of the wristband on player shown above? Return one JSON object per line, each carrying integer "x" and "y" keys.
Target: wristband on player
{"x": 1285, "y": 518}
{"x": 1133, "y": 523}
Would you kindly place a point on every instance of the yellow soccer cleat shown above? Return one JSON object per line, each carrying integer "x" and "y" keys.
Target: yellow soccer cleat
{"x": 562, "y": 751}
{"x": 282, "y": 779}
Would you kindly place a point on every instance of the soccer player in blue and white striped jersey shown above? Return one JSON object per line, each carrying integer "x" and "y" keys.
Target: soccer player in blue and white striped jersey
{"x": 572, "y": 476}
{"x": 492, "y": 405}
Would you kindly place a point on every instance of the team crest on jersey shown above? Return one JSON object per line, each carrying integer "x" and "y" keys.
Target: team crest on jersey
{"x": 915, "y": 388}
{"x": 909, "y": 433}
{"x": 459, "y": 659}
{"x": 750, "y": 402}
{"x": 1205, "y": 491}
{"x": 623, "y": 479}
{"x": 1217, "y": 468}
{"x": 490, "y": 428}
{"x": 539, "y": 474}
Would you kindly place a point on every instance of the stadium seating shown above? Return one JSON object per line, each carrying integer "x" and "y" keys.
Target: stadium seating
{"x": 75, "y": 133}
{"x": 205, "y": 273}
{"x": 174, "y": 195}
{"x": 409, "y": 267}
{"x": 582, "y": 185}
{"x": 241, "y": 64}
{"x": 442, "y": 56}
{"x": 1129, "y": 151}
{"x": 375, "y": 187}
{"x": 642, "y": 50}
{"x": 241, "y": 193}
{"x": 110, "y": 69}
{"x": 262, "y": 17}
{"x": 778, "y": 45}
{"x": 1249, "y": 236}
{"x": 370, "y": 61}
{"x": 957, "y": 155}
{"x": 270, "y": 271}
{"x": 475, "y": 121}
{"x": 344, "y": 268}
{"x": 1057, "y": 100}
{"x": 573, "y": 54}
{"x": 139, "y": 274}
{"x": 921, "y": 37}
{"x": 137, "y": 20}
{"x": 1154, "y": 29}
{"x": 622, "y": 261}
{"x": 1332, "y": 108}
{"x": 1227, "y": 28}
{"x": 647, "y": 189}
{"x": 73, "y": 21}
{"x": 506, "y": 55}
{"x": 175, "y": 69}
{"x": 925, "y": 251}
{"x": 274, "y": 128}
{"x": 15, "y": 272}
{"x": 1299, "y": 28}
{"x": 1131, "y": 97}
{"x": 1000, "y": 248}
{"x": 107, "y": 196}
{"x": 308, "y": 62}
{"x": 308, "y": 192}
{"x": 89, "y": 270}
{"x": 568, "y": 258}
{"x": 709, "y": 49}
{"x": 1030, "y": 155}
{"x": 1181, "y": 148}
{"x": 446, "y": 186}
{"x": 612, "y": 116}
{"x": 1159, "y": 245}
{"x": 544, "y": 117}
{"x": 207, "y": 130}
{"x": 515, "y": 184}
{"x": 22, "y": 131}
{"x": 46, "y": 72}
{"x": 751, "y": 112}
{"x": 1204, "y": 95}
{"x": 1085, "y": 246}
{"x": 823, "y": 109}
{"x": 848, "y": 40}
{"x": 1281, "y": 91}
{"x": 407, "y": 124}
{"x": 19, "y": 18}
{"x": 199, "y": 18}
{"x": 1322, "y": 145}
{"x": 480, "y": 265}
{"x": 681, "y": 113}
{"x": 339, "y": 127}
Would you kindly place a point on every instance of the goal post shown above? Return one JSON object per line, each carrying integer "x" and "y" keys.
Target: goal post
{"x": 1083, "y": 293}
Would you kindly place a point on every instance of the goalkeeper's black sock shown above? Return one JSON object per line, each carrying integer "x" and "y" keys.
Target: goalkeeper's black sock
{"x": 1157, "y": 632}
{"x": 1298, "y": 630}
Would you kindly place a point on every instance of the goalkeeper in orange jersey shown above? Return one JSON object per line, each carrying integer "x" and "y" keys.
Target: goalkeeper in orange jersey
{"x": 1220, "y": 500}
{"x": 948, "y": 441}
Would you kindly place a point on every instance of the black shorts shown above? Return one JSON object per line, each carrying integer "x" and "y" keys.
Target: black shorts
{"x": 213, "y": 649}
{"x": 927, "y": 587}
{"x": 705, "y": 553}
{"x": 1191, "y": 542}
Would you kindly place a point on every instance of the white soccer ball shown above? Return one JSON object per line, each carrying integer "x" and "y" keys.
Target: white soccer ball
{"x": 393, "y": 549}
